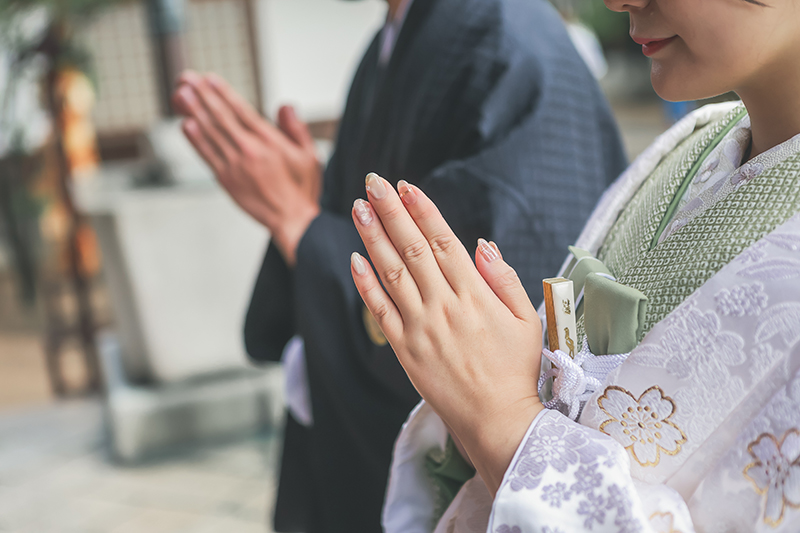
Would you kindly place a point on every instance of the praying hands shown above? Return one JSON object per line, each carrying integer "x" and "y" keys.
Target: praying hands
{"x": 271, "y": 172}
{"x": 466, "y": 334}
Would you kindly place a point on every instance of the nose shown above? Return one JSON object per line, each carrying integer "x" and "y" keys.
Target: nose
{"x": 626, "y": 5}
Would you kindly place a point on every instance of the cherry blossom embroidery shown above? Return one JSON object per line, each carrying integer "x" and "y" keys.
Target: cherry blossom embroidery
{"x": 618, "y": 499}
{"x": 593, "y": 508}
{"x": 776, "y": 473}
{"x": 642, "y": 426}
{"x": 556, "y": 494}
{"x": 696, "y": 348}
{"x": 587, "y": 478}
{"x": 557, "y": 445}
{"x": 747, "y": 172}
{"x": 708, "y": 169}
{"x": 663, "y": 523}
{"x": 743, "y": 300}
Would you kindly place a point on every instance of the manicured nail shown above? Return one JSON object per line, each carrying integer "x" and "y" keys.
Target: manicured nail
{"x": 406, "y": 192}
{"x": 358, "y": 264}
{"x": 363, "y": 212}
{"x": 214, "y": 80}
{"x": 375, "y": 186}
{"x": 190, "y": 76}
{"x": 190, "y": 125}
{"x": 186, "y": 93}
{"x": 496, "y": 249}
{"x": 487, "y": 251}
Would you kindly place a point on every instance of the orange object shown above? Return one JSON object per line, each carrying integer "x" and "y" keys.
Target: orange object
{"x": 80, "y": 139}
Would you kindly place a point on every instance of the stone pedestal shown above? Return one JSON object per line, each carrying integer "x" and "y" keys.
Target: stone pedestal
{"x": 180, "y": 263}
{"x": 148, "y": 420}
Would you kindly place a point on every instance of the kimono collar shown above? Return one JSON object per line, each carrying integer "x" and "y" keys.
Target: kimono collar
{"x": 390, "y": 31}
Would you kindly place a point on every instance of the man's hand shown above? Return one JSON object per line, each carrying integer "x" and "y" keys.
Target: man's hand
{"x": 272, "y": 173}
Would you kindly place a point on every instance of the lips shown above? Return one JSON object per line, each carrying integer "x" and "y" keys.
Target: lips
{"x": 653, "y": 46}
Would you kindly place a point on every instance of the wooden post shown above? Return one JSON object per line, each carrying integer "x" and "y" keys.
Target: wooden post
{"x": 86, "y": 325}
{"x": 166, "y": 21}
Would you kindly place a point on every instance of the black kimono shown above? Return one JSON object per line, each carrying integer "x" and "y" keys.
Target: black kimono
{"x": 485, "y": 105}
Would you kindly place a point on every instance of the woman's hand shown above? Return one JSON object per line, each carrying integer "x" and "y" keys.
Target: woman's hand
{"x": 468, "y": 338}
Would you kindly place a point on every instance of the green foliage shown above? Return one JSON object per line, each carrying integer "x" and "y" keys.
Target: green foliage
{"x": 611, "y": 27}
{"x": 60, "y": 9}
{"x": 37, "y": 36}
{"x": 67, "y": 15}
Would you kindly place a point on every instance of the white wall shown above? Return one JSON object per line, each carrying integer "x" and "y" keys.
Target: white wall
{"x": 310, "y": 49}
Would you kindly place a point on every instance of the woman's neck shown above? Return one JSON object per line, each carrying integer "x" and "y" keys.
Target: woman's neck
{"x": 773, "y": 103}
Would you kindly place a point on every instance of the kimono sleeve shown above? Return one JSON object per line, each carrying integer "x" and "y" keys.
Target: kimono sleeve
{"x": 323, "y": 286}
{"x": 755, "y": 485}
{"x": 269, "y": 323}
{"x": 566, "y": 477}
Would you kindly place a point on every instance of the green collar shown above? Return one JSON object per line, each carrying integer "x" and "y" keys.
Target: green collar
{"x": 676, "y": 199}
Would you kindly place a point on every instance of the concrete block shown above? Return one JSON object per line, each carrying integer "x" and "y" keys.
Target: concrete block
{"x": 148, "y": 420}
{"x": 180, "y": 263}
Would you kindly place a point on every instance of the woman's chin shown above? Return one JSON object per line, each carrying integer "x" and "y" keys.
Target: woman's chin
{"x": 668, "y": 85}
{"x": 674, "y": 86}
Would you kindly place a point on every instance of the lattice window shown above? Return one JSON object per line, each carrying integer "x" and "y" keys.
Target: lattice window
{"x": 217, "y": 38}
{"x": 124, "y": 65}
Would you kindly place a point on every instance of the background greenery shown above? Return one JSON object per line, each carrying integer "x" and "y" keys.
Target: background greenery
{"x": 611, "y": 28}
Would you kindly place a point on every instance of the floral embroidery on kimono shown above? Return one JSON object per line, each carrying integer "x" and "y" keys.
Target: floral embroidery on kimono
{"x": 642, "y": 424}
{"x": 775, "y": 472}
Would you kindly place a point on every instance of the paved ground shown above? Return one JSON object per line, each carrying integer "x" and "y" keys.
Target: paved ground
{"x": 23, "y": 375}
{"x": 55, "y": 478}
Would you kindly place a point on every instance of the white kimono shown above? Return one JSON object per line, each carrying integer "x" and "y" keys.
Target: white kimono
{"x": 697, "y": 430}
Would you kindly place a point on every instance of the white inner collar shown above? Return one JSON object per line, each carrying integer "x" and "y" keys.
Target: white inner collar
{"x": 391, "y": 30}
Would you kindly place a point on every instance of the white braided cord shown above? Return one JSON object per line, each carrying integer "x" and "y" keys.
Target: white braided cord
{"x": 575, "y": 380}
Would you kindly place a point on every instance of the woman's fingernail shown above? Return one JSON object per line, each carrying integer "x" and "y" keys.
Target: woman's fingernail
{"x": 375, "y": 186}
{"x": 487, "y": 251}
{"x": 363, "y": 212}
{"x": 496, "y": 249}
{"x": 358, "y": 264}
{"x": 406, "y": 192}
